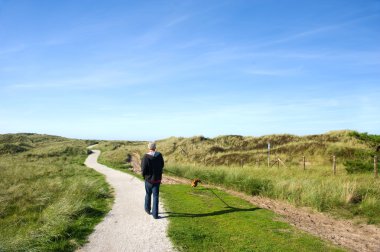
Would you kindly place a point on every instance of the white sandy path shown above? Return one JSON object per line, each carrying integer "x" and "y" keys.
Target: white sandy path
{"x": 126, "y": 227}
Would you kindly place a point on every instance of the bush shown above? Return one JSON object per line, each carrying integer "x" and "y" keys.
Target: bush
{"x": 12, "y": 148}
{"x": 374, "y": 139}
{"x": 358, "y": 166}
{"x": 216, "y": 149}
{"x": 91, "y": 142}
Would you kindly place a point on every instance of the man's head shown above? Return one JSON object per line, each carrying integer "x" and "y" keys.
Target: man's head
{"x": 152, "y": 146}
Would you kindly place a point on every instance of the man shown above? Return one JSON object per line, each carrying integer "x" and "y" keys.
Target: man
{"x": 152, "y": 165}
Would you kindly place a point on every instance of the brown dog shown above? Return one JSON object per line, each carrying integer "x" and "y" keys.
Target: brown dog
{"x": 195, "y": 182}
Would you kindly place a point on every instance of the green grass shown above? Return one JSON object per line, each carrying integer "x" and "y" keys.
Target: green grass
{"x": 344, "y": 195}
{"x": 203, "y": 219}
{"x": 49, "y": 200}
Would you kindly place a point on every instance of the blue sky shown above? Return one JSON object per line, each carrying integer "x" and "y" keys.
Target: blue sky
{"x": 153, "y": 69}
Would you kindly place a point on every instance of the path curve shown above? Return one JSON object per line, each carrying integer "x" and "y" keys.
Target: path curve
{"x": 126, "y": 227}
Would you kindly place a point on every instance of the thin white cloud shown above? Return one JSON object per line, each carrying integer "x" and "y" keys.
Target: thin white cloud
{"x": 193, "y": 43}
{"x": 88, "y": 81}
{"x": 274, "y": 72}
{"x": 314, "y": 31}
{"x": 152, "y": 36}
{"x": 12, "y": 49}
{"x": 177, "y": 20}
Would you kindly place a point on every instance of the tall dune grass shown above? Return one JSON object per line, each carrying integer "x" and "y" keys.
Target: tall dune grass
{"x": 49, "y": 200}
{"x": 234, "y": 150}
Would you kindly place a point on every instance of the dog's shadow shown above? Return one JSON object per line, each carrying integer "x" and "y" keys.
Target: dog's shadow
{"x": 229, "y": 209}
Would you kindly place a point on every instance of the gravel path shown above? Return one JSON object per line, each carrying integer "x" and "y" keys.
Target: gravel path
{"x": 126, "y": 227}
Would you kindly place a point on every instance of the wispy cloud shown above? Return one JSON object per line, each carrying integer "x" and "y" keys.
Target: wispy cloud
{"x": 177, "y": 20}
{"x": 160, "y": 30}
{"x": 103, "y": 79}
{"x": 12, "y": 49}
{"x": 194, "y": 43}
{"x": 8, "y": 69}
{"x": 274, "y": 72}
{"x": 314, "y": 31}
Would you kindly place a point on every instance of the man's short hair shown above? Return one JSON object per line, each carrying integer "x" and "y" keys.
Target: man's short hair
{"x": 152, "y": 145}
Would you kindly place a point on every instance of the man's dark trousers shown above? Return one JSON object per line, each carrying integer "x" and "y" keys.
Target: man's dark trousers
{"x": 155, "y": 189}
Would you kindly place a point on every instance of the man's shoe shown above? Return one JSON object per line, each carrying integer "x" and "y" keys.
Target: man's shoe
{"x": 148, "y": 212}
{"x": 156, "y": 217}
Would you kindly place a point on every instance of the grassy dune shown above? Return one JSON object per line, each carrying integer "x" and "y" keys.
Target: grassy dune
{"x": 49, "y": 200}
{"x": 232, "y": 150}
{"x": 218, "y": 161}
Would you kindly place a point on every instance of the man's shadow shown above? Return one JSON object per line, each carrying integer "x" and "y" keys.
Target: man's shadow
{"x": 229, "y": 209}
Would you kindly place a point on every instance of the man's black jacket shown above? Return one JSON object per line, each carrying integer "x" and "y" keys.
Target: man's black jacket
{"x": 152, "y": 167}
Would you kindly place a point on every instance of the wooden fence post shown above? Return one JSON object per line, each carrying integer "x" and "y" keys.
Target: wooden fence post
{"x": 334, "y": 164}
{"x": 241, "y": 162}
{"x": 304, "y": 162}
{"x": 375, "y": 166}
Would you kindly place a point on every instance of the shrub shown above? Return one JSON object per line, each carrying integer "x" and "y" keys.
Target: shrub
{"x": 216, "y": 149}
{"x": 358, "y": 166}
{"x": 12, "y": 148}
{"x": 374, "y": 139}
